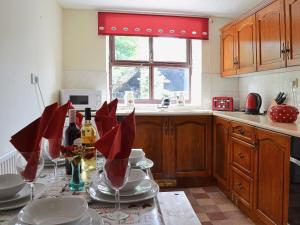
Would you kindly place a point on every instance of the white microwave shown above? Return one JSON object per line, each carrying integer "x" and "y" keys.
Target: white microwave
{"x": 82, "y": 98}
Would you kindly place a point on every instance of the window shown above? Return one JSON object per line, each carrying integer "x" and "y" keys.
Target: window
{"x": 151, "y": 67}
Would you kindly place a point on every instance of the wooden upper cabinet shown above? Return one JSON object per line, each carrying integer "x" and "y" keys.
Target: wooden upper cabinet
{"x": 292, "y": 12}
{"x": 271, "y": 177}
{"x": 228, "y": 59}
{"x": 221, "y": 152}
{"x": 149, "y": 136}
{"x": 270, "y": 37}
{"x": 246, "y": 45}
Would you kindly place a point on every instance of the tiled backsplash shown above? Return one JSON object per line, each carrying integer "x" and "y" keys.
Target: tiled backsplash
{"x": 214, "y": 85}
{"x": 268, "y": 84}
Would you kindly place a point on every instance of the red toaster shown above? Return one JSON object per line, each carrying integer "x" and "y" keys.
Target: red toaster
{"x": 222, "y": 103}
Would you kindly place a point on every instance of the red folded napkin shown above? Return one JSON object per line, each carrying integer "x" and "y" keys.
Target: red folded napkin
{"x": 117, "y": 143}
{"x": 105, "y": 117}
{"x": 116, "y": 147}
{"x": 28, "y": 140}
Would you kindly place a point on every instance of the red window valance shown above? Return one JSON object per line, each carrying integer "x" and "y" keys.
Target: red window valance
{"x": 152, "y": 25}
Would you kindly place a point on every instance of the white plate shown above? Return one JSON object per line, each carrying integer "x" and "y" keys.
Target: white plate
{"x": 142, "y": 188}
{"x": 98, "y": 196}
{"x": 96, "y": 219}
{"x": 143, "y": 164}
{"x": 49, "y": 211}
{"x": 39, "y": 190}
{"x": 25, "y": 192}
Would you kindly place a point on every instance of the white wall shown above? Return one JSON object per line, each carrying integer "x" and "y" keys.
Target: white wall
{"x": 85, "y": 58}
{"x": 268, "y": 84}
{"x": 84, "y": 52}
{"x": 30, "y": 41}
{"x": 212, "y": 83}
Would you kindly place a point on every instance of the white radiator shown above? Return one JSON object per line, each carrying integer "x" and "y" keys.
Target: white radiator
{"x": 7, "y": 163}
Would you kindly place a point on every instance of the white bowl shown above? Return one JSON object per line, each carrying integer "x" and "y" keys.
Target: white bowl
{"x": 10, "y": 185}
{"x": 136, "y": 155}
{"x": 136, "y": 176}
{"x": 59, "y": 211}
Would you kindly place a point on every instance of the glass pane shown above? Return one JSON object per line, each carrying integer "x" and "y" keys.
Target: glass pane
{"x": 134, "y": 79}
{"x": 131, "y": 48}
{"x": 164, "y": 48}
{"x": 170, "y": 80}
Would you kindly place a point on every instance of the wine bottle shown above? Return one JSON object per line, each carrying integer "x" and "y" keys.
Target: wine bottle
{"x": 88, "y": 138}
{"x": 72, "y": 136}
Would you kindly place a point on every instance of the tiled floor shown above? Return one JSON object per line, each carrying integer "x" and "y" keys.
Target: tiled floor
{"x": 213, "y": 207}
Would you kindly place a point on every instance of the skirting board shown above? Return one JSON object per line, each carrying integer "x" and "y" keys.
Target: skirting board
{"x": 7, "y": 163}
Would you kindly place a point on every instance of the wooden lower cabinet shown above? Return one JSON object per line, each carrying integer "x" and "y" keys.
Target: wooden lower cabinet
{"x": 180, "y": 147}
{"x": 271, "y": 189}
{"x": 151, "y": 137}
{"x": 259, "y": 170}
{"x": 242, "y": 188}
{"x": 221, "y": 154}
{"x": 190, "y": 140}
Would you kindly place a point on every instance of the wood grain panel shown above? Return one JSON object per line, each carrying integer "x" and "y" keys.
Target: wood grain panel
{"x": 246, "y": 45}
{"x": 228, "y": 67}
{"x": 191, "y": 137}
{"x": 292, "y": 12}
{"x": 272, "y": 177}
{"x": 270, "y": 37}
{"x": 150, "y": 137}
{"x": 221, "y": 152}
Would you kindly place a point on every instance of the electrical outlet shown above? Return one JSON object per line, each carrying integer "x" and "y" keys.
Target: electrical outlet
{"x": 295, "y": 83}
{"x": 34, "y": 78}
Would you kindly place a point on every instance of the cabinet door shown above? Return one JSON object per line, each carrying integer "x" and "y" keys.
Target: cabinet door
{"x": 150, "y": 132}
{"x": 292, "y": 11}
{"x": 270, "y": 37}
{"x": 191, "y": 143}
{"x": 221, "y": 152}
{"x": 246, "y": 45}
{"x": 272, "y": 177}
{"x": 228, "y": 52}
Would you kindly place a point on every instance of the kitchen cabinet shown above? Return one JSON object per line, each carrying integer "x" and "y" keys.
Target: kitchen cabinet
{"x": 270, "y": 37}
{"x": 292, "y": 9}
{"x": 246, "y": 45}
{"x": 180, "y": 146}
{"x": 151, "y": 138}
{"x": 228, "y": 60}
{"x": 238, "y": 48}
{"x": 271, "y": 177}
{"x": 190, "y": 138}
{"x": 221, "y": 154}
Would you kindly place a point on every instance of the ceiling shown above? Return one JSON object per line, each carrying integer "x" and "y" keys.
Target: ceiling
{"x": 220, "y": 8}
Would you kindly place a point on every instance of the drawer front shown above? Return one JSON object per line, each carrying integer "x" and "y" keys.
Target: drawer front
{"x": 243, "y": 132}
{"x": 243, "y": 156}
{"x": 242, "y": 187}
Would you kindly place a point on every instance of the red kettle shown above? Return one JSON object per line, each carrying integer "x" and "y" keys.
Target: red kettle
{"x": 253, "y": 103}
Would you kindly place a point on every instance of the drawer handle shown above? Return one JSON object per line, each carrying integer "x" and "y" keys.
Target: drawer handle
{"x": 241, "y": 131}
{"x": 240, "y": 186}
{"x": 241, "y": 155}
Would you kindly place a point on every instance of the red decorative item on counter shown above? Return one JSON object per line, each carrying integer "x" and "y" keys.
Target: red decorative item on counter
{"x": 284, "y": 113}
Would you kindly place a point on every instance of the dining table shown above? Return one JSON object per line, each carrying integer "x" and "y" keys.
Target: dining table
{"x": 167, "y": 208}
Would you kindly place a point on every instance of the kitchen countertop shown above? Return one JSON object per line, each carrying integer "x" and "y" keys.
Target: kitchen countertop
{"x": 292, "y": 129}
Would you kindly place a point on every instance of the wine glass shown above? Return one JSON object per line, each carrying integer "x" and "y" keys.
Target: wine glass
{"x": 29, "y": 165}
{"x": 116, "y": 172}
{"x": 52, "y": 149}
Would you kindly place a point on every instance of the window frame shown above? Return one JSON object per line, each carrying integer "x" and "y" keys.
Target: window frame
{"x": 151, "y": 64}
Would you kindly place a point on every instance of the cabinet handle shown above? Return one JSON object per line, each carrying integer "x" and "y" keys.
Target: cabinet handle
{"x": 166, "y": 127}
{"x": 288, "y": 50}
{"x": 283, "y": 51}
{"x": 241, "y": 131}
{"x": 241, "y": 155}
